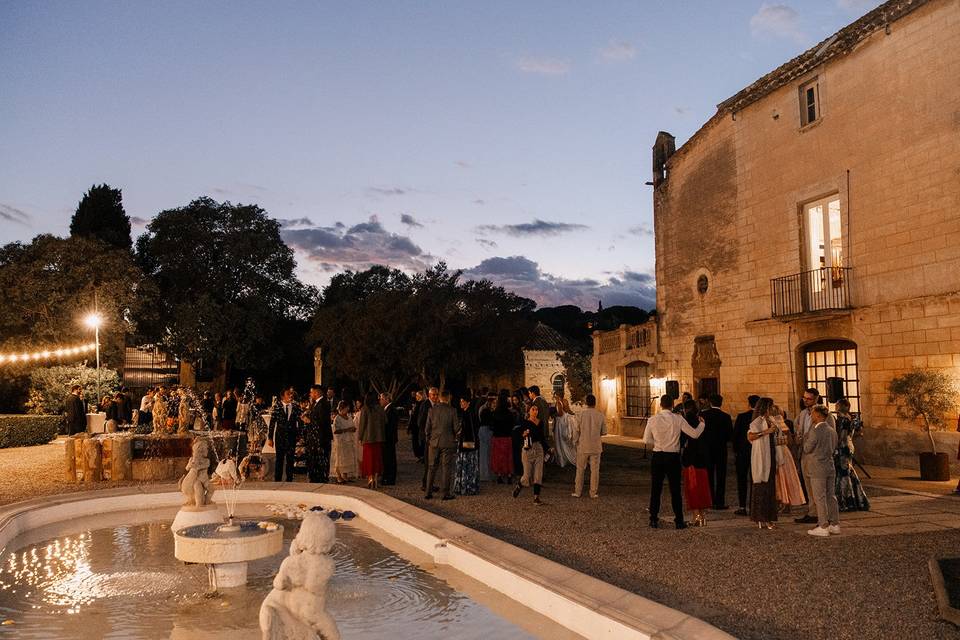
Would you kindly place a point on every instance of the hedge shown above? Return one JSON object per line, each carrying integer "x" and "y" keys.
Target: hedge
{"x": 25, "y": 431}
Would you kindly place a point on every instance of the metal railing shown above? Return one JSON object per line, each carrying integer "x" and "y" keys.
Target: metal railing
{"x": 814, "y": 290}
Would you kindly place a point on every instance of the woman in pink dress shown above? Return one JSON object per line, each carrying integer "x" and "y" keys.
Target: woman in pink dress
{"x": 789, "y": 491}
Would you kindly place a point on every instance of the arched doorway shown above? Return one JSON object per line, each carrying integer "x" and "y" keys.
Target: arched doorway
{"x": 833, "y": 359}
{"x": 706, "y": 366}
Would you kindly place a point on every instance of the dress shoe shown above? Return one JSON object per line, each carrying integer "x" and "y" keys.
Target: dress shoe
{"x": 448, "y": 497}
{"x": 720, "y": 507}
{"x": 681, "y": 525}
{"x": 654, "y": 524}
{"x": 516, "y": 491}
{"x": 428, "y": 496}
{"x": 807, "y": 519}
{"x": 740, "y": 512}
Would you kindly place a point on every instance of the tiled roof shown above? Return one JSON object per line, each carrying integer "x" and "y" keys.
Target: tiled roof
{"x": 544, "y": 338}
{"x": 839, "y": 43}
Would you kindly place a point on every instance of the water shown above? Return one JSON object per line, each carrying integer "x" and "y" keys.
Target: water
{"x": 122, "y": 581}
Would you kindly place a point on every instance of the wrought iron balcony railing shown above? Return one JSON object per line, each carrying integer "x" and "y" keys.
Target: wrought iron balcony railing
{"x": 815, "y": 290}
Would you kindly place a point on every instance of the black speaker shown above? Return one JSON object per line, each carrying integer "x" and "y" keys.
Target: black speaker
{"x": 673, "y": 389}
{"x": 835, "y": 389}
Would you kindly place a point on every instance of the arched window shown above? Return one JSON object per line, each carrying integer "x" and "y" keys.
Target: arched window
{"x": 558, "y": 382}
{"x": 637, "y": 389}
{"x": 833, "y": 359}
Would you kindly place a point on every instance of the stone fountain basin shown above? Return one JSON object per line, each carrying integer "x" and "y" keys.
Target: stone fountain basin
{"x": 205, "y": 544}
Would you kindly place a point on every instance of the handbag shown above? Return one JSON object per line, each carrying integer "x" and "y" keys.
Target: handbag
{"x": 468, "y": 445}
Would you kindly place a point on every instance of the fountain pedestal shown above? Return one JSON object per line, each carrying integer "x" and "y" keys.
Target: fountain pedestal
{"x": 226, "y": 551}
{"x": 189, "y": 516}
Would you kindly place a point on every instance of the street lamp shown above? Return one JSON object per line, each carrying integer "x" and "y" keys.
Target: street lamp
{"x": 94, "y": 320}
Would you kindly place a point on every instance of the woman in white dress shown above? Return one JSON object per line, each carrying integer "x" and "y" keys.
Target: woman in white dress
{"x": 357, "y": 410}
{"x": 563, "y": 427}
{"x": 343, "y": 454}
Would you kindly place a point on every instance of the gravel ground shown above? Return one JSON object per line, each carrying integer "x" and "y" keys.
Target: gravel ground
{"x": 753, "y": 584}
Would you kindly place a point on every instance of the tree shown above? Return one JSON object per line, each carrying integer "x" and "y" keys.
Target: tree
{"x": 392, "y": 330}
{"x": 224, "y": 280}
{"x": 576, "y": 362}
{"x": 49, "y": 386}
{"x": 50, "y": 284}
{"x": 100, "y": 215}
{"x": 924, "y": 393}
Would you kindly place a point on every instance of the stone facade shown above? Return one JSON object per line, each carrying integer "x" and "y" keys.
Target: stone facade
{"x": 751, "y": 297}
{"x": 632, "y": 347}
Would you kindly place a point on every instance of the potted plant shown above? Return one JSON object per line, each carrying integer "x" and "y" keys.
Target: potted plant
{"x": 928, "y": 394}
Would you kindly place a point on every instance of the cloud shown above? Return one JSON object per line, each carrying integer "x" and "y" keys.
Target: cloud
{"x": 12, "y": 214}
{"x": 409, "y": 220}
{"x": 618, "y": 51}
{"x": 462, "y": 164}
{"x": 137, "y": 221}
{"x": 536, "y": 228}
{"x": 480, "y": 202}
{"x": 641, "y": 230}
{"x": 681, "y": 111}
{"x": 543, "y": 66}
{"x": 286, "y": 223}
{"x": 490, "y": 244}
{"x": 776, "y": 21}
{"x": 337, "y": 248}
{"x": 524, "y": 277}
{"x": 388, "y": 191}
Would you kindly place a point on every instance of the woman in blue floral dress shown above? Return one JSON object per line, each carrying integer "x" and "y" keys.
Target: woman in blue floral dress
{"x": 466, "y": 482}
{"x": 850, "y": 493}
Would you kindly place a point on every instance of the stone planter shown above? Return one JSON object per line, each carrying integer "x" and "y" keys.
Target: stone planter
{"x": 934, "y": 466}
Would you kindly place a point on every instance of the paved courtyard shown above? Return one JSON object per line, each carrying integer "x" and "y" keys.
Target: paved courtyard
{"x": 870, "y": 582}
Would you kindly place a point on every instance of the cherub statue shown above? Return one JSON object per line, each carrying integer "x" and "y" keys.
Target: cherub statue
{"x": 296, "y": 608}
{"x": 195, "y": 485}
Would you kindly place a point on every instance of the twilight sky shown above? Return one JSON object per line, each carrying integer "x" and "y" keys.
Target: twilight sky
{"x": 510, "y": 139}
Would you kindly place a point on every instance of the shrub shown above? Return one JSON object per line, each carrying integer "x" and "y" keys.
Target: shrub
{"x": 49, "y": 386}
{"x": 924, "y": 393}
{"x": 26, "y": 431}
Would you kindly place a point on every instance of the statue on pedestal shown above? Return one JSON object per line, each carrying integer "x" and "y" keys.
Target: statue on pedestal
{"x": 296, "y": 608}
{"x": 195, "y": 485}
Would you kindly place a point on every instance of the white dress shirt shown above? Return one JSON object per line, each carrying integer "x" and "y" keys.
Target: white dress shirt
{"x": 663, "y": 431}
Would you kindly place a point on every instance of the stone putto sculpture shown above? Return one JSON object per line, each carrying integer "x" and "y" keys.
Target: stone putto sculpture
{"x": 195, "y": 485}
{"x": 296, "y": 608}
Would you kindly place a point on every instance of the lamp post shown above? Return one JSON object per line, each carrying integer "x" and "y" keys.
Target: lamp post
{"x": 94, "y": 320}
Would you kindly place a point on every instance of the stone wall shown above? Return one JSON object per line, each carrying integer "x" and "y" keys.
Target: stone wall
{"x": 888, "y": 145}
{"x": 540, "y": 368}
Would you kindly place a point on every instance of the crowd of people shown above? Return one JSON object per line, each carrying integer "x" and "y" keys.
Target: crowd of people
{"x": 780, "y": 464}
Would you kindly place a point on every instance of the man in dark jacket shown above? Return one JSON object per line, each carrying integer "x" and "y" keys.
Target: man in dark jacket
{"x": 742, "y": 449}
{"x": 717, "y": 432}
{"x": 441, "y": 431}
{"x": 413, "y": 425}
{"x": 285, "y": 425}
{"x": 318, "y": 436}
{"x": 433, "y": 397}
{"x": 390, "y": 440}
{"x": 76, "y": 415}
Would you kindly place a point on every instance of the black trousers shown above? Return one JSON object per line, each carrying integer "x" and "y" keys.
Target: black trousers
{"x": 717, "y": 472}
{"x": 444, "y": 461}
{"x": 318, "y": 463}
{"x": 743, "y": 477}
{"x": 416, "y": 442}
{"x": 665, "y": 465}
{"x": 389, "y": 462}
{"x": 286, "y": 445}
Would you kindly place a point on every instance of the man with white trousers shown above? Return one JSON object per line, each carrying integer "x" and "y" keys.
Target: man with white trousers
{"x": 588, "y": 428}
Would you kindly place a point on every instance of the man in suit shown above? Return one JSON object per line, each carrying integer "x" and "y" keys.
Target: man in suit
{"x": 413, "y": 425}
{"x": 76, "y": 415}
{"x": 717, "y": 433}
{"x": 819, "y": 443}
{"x": 318, "y": 436}
{"x": 543, "y": 409}
{"x": 742, "y": 450}
{"x": 285, "y": 424}
{"x": 390, "y": 440}
{"x": 433, "y": 397}
{"x": 441, "y": 431}
{"x": 804, "y": 425}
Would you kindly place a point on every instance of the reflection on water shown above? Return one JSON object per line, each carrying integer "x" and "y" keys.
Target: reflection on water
{"x": 123, "y": 582}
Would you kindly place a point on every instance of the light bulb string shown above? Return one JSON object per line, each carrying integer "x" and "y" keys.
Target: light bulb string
{"x": 46, "y": 354}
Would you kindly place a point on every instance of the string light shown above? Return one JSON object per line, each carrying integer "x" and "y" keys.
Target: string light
{"x": 46, "y": 354}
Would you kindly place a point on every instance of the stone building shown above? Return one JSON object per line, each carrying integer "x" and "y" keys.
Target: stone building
{"x": 624, "y": 380}
{"x": 811, "y": 228}
{"x": 541, "y": 361}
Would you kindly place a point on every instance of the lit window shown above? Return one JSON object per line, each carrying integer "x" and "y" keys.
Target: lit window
{"x": 558, "y": 382}
{"x": 833, "y": 359}
{"x": 809, "y": 102}
{"x": 638, "y": 389}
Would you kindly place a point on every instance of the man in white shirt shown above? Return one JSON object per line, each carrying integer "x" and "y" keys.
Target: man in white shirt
{"x": 662, "y": 435}
{"x": 805, "y": 424}
{"x": 587, "y": 430}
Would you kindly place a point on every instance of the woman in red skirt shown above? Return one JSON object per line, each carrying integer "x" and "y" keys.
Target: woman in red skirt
{"x": 501, "y": 444}
{"x": 373, "y": 427}
{"x": 696, "y": 482}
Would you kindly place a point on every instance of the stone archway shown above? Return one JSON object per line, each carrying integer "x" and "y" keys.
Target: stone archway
{"x": 706, "y": 366}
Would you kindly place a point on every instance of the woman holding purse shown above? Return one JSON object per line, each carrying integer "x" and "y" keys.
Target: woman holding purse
{"x": 696, "y": 481}
{"x": 466, "y": 482}
{"x": 763, "y": 465}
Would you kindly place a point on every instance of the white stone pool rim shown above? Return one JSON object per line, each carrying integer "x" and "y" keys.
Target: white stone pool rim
{"x": 587, "y": 606}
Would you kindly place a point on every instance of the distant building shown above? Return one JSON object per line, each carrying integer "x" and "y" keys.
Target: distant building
{"x": 541, "y": 361}
{"x": 623, "y": 369}
{"x": 809, "y": 233}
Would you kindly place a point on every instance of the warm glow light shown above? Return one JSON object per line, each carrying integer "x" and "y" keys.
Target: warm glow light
{"x": 46, "y": 354}
{"x": 93, "y": 320}
{"x": 658, "y": 386}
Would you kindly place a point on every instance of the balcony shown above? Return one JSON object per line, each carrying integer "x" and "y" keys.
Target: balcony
{"x": 821, "y": 289}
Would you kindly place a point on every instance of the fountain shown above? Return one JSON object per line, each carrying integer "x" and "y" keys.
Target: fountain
{"x": 198, "y": 507}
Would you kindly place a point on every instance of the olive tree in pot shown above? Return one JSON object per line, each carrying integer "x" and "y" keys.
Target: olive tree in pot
{"x": 927, "y": 394}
